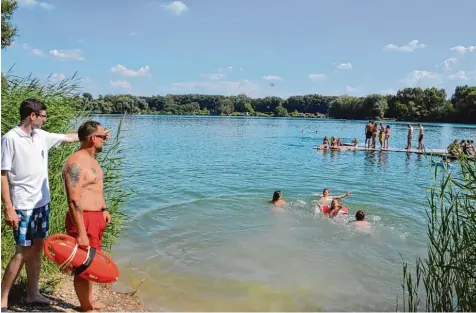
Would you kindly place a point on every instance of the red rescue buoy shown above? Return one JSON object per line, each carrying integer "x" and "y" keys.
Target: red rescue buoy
{"x": 92, "y": 265}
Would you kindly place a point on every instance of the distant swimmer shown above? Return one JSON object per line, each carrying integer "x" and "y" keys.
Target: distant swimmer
{"x": 360, "y": 219}
{"x": 278, "y": 198}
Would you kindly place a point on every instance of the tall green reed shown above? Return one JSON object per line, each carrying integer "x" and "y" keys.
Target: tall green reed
{"x": 446, "y": 279}
{"x": 65, "y": 113}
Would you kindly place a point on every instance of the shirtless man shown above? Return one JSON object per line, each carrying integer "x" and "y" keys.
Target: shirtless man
{"x": 409, "y": 138}
{"x": 88, "y": 214}
{"x": 368, "y": 134}
{"x": 421, "y": 146}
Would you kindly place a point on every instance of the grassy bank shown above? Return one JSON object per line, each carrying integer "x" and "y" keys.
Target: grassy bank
{"x": 445, "y": 280}
{"x": 63, "y": 104}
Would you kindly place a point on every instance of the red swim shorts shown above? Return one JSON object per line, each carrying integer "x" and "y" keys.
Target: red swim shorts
{"x": 95, "y": 226}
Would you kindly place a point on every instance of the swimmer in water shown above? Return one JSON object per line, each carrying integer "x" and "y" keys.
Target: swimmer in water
{"x": 360, "y": 219}
{"x": 326, "y": 198}
{"x": 278, "y": 198}
{"x": 335, "y": 208}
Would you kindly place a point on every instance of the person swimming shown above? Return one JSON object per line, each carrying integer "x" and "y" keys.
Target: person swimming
{"x": 277, "y": 198}
{"x": 326, "y": 198}
{"x": 360, "y": 219}
{"x": 336, "y": 208}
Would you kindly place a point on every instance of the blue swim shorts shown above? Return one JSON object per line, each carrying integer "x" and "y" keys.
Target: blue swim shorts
{"x": 31, "y": 224}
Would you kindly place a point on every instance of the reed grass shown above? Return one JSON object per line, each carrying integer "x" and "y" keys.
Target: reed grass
{"x": 65, "y": 113}
{"x": 445, "y": 280}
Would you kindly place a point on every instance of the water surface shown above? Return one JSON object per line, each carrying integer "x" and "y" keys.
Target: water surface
{"x": 204, "y": 238}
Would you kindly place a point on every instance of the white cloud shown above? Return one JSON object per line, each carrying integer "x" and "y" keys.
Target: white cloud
{"x": 317, "y": 77}
{"x": 221, "y": 73}
{"x": 121, "y": 83}
{"x": 122, "y": 70}
{"x": 74, "y": 54}
{"x": 448, "y": 63}
{"x": 32, "y": 3}
{"x": 345, "y": 66}
{"x": 418, "y": 78}
{"x": 410, "y": 47}
{"x": 272, "y": 77}
{"x": 463, "y": 50}
{"x": 37, "y": 52}
{"x": 55, "y": 77}
{"x": 224, "y": 87}
{"x": 47, "y": 6}
{"x": 460, "y": 75}
{"x": 177, "y": 7}
{"x": 350, "y": 89}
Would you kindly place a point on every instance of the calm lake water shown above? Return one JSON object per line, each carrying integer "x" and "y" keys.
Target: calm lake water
{"x": 203, "y": 236}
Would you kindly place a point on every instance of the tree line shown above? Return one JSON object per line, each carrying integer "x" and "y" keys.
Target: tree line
{"x": 409, "y": 104}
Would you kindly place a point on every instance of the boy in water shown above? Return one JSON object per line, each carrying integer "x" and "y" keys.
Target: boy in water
{"x": 360, "y": 219}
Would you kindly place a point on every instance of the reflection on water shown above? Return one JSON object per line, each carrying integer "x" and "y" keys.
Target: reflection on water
{"x": 205, "y": 239}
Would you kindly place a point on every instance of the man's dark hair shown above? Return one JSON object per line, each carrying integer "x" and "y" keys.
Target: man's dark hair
{"x": 29, "y": 106}
{"x": 360, "y": 215}
{"x": 87, "y": 129}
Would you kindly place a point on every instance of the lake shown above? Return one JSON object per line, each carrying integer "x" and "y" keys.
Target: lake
{"x": 204, "y": 238}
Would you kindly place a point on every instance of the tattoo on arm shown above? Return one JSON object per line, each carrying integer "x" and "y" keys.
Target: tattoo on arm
{"x": 76, "y": 206}
{"x": 73, "y": 174}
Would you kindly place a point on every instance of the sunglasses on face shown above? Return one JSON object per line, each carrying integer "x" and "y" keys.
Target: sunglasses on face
{"x": 103, "y": 137}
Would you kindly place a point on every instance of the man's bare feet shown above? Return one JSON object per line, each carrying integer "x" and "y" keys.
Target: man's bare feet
{"x": 38, "y": 299}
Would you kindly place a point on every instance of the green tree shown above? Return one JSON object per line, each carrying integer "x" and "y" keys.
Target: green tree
{"x": 9, "y": 32}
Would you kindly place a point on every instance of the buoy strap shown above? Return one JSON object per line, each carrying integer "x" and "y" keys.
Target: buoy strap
{"x": 87, "y": 262}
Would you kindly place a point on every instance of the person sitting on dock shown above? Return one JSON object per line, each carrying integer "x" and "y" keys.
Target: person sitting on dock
{"x": 325, "y": 144}
{"x": 454, "y": 148}
{"x": 334, "y": 145}
{"x": 278, "y": 198}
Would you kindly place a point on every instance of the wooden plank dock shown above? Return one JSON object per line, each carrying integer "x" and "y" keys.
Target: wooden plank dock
{"x": 437, "y": 152}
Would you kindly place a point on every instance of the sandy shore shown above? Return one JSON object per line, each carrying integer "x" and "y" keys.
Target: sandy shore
{"x": 65, "y": 300}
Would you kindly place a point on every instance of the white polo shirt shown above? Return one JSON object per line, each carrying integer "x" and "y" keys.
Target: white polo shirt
{"x": 25, "y": 158}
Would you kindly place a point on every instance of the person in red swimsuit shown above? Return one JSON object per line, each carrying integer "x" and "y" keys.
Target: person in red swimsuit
{"x": 88, "y": 214}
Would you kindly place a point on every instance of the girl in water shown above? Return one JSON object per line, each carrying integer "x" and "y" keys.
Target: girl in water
{"x": 278, "y": 198}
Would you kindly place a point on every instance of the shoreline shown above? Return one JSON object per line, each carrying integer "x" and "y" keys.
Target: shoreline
{"x": 65, "y": 299}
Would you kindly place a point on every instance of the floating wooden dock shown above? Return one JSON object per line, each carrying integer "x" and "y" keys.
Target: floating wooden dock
{"x": 438, "y": 152}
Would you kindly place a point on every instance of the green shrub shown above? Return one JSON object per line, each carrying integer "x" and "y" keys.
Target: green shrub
{"x": 446, "y": 279}
{"x": 64, "y": 116}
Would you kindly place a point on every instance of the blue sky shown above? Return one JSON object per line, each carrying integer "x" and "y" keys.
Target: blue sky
{"x": 256, "y": 47}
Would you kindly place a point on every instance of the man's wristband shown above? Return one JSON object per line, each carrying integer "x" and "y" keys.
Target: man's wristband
{"x": 104, "y": 209}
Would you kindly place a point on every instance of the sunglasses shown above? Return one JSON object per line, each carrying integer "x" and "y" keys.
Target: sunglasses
{"x": 103, "y": 137}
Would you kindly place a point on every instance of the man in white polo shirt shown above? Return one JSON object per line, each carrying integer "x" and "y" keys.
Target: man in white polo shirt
{"x": 26, "y": 194}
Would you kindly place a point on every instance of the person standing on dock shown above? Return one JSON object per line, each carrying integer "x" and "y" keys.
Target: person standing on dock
{"x": 410, "y": 135}
{"x": 421, "y": 146}
{"x": 368, "y": 134}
